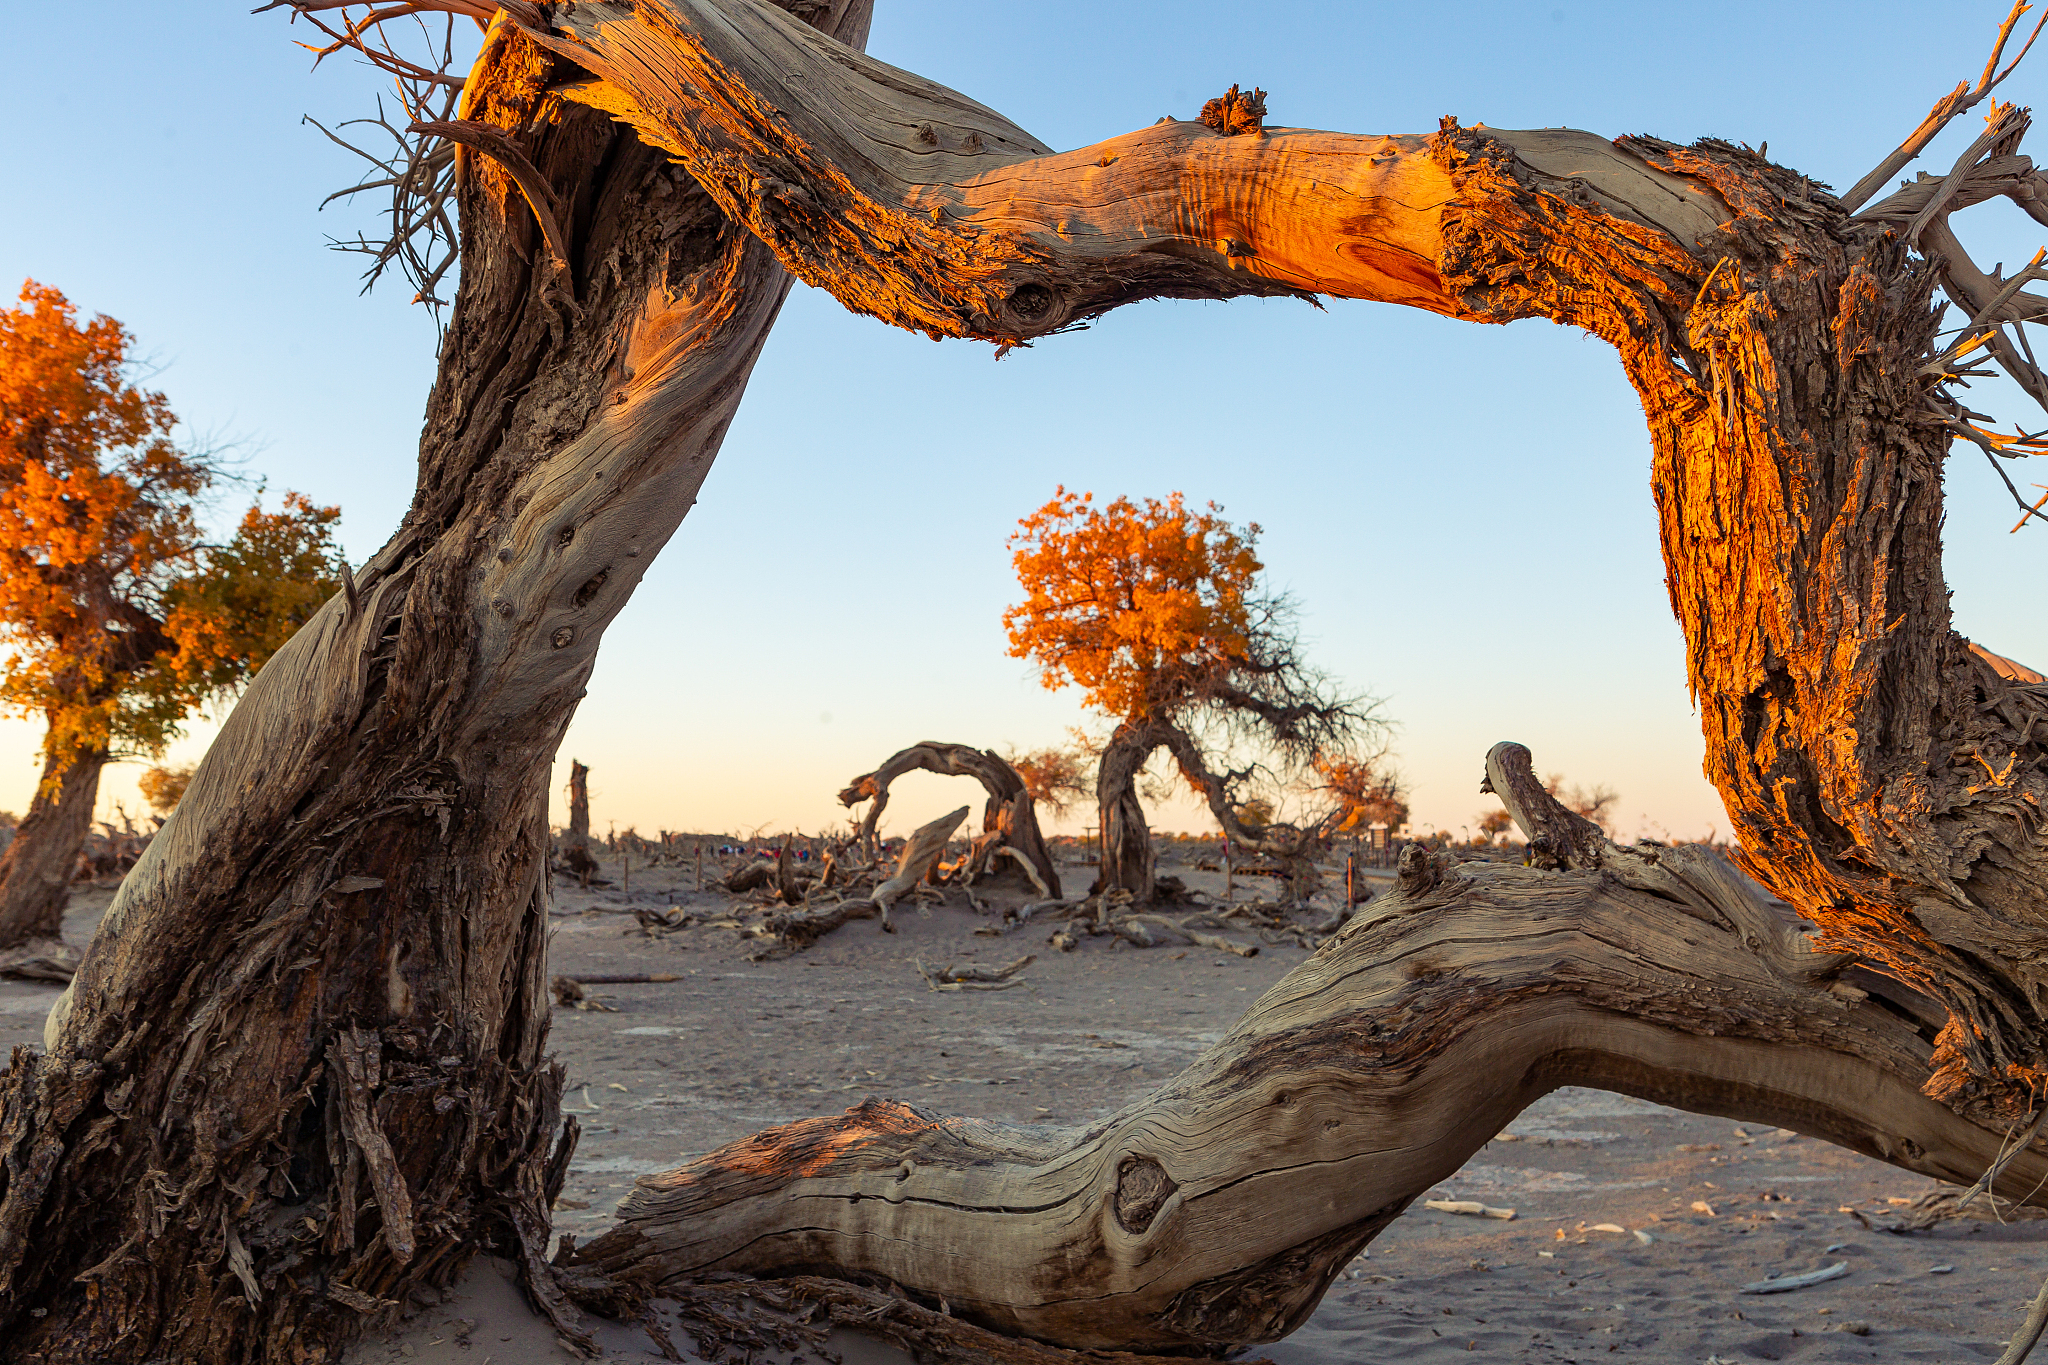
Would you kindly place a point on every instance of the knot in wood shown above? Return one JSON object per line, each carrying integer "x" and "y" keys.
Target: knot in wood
{"x": 1142, "y": 1185}
{"x": 1417, "y": 870}
{"x": 1236, "y": 111}
{"x": 565, "y": 637}
{"x": 1031, "y": 302}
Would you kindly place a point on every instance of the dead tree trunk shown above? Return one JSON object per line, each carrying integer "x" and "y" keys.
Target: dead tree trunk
{"x": 579, "y": 805}
{"x": 1008, "y": 823}
{"x": 37, "y": 869}
{"x": 1882, "y": 779}
{"x": 301, "y": 1074}
{"x": 576, "y": 855}
{"x": 1217, "y": 1212}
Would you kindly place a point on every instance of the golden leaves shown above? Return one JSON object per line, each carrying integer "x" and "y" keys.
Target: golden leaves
{"x": 1121, "y": 600}
{"x": 120, "y": 618}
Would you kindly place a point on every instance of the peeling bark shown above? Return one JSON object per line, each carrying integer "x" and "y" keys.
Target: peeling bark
{"x": 300, "y": 1076}
{"x": 1882, "y": 779}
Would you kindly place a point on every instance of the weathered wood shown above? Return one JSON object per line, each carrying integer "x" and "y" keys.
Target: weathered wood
{"x": 921, "y": 854}
{"x": 1776, "y": 344}
{"x": 1558, "y": 838}
{"x": 1009, "y": 823}
{"x": 1217, "y": 1211}
{"x": 362, "y": 853}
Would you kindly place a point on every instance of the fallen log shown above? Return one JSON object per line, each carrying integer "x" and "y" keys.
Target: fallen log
{"x": 927, "y": 845}
{"x": 1216, "y": 1212}
{"x": 974, "y": 978}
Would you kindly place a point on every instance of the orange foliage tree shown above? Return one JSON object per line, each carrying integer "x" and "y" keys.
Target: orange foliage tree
{"x": 1056, "y": 777}
{"x": 120, "y": 617}
{"x": 1365, "y": 790}
{"x": 1155, "y": 611}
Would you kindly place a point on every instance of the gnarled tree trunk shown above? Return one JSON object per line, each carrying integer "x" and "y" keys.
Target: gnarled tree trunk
{"x": 300, "y": 1073}
{"x": 319, "y": 996}
{"x": 1882, "y": 779}
{"x": 37, "y": 869}
{"x": 1009, "y": 821}
{"x": 1217, "y": 1211}
{"x": 1125, "y": 841}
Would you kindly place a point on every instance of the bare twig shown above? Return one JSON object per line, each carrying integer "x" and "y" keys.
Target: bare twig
{"x": 419, "y": 172}
{"x": 2010, "y": 124}
{"x": 1946, "y": 110}
{"x": 2034, "y": 510}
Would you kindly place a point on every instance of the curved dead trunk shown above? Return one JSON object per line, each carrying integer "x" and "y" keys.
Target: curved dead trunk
{"x": 1882, "y": 778}
{"x": 1009, "y": 821}
{"x": 301, "y": 1077}
{"x": 37, "y": 869}
{"x": 1217, "y": 1211}
{"x": 1125, "y": 841}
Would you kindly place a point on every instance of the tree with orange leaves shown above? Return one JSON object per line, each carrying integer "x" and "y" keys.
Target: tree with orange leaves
{"x": 120, "y": 617}
{"x": 1155, "y": 611}
{"x": 1367, "y": 791}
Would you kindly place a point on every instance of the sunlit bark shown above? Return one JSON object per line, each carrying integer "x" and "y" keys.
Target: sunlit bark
{"x": 1881, "y": 778}
{"x": 301, "y": 1075}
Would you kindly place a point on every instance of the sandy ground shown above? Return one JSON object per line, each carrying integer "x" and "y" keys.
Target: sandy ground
{"x": 735, "y": 1045}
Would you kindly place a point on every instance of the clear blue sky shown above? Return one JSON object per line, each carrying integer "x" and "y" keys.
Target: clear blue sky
{"x": 837, "y": 593}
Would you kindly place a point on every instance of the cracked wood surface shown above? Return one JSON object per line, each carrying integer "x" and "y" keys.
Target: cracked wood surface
{"x": 1218, "y": 1210}
{"x": 307, "y": 1042}
{"x": 1880, "y": 777}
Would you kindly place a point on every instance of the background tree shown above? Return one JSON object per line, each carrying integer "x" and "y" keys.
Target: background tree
{"x": 163, "y": 788}
{"x": 1155, "y": 612}
{"x": 1595, "y": 803}
{"x": 1056, "y": 776}
{"x": 1494, "y": 823}
{"x": 119, "y": 616}
{"x": 1366, "y": 790}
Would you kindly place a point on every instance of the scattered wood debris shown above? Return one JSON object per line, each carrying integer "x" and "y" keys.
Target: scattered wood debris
{"x": 973, "y": 978}
{"x": 568, "y": 990}
{"x": 1786, "y": 1284}
{"x": 1470, "y": 1207}
{"x": 1940, "y": 1205}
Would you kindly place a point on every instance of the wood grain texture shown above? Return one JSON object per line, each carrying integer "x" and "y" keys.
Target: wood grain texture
{"x": 1881, "y": 778}
{"x": 1216, "y": 1211}
{"x": 307, "y": 1044}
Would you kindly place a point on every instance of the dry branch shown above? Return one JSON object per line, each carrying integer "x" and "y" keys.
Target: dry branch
{"x": 1009, "y": 822}
{"x": 1215, "y": 1212}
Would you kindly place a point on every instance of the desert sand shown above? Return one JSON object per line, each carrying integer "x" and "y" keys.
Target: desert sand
{"x": 674, "y": 1069}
